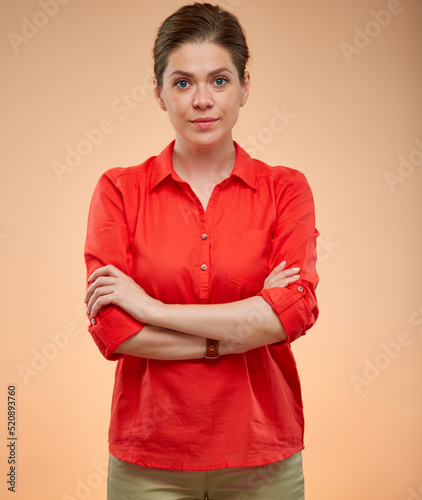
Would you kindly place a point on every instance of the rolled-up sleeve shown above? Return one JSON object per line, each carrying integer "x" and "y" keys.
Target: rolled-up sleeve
{"x": 108, "y": 242}
{"x": 294, "y": 241}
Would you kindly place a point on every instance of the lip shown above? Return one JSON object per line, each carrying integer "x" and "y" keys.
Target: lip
{"x": 204, "y": 122}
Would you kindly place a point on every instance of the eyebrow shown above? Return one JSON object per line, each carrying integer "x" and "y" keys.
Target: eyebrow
{"x": 191, "y": 75}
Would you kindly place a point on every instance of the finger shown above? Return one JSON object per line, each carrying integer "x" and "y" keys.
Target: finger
{"x": 278, "y": 268}
{"x": 109, "y": 270}
{"x": 100, "y": 303}
{"x": 100, "y": 281}
{"x": 281, "y": 281}
{"x": 95, "y": 296}
{"x": 287, "y": 272}
{"x": 98, "y": 297}
{"x": 280, "y": 271}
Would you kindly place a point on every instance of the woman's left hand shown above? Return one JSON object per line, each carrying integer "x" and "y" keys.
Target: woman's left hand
{"x": 112, "y": 287}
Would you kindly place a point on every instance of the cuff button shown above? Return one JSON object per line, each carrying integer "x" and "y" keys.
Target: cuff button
{"x": 300, "y": 288}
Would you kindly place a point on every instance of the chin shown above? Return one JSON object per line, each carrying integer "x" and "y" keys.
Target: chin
{"x": 208, "y": 139}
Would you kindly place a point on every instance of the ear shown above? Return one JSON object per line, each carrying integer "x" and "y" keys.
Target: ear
{"x": 157, "y": 92}
{"x": 246, "y": 85}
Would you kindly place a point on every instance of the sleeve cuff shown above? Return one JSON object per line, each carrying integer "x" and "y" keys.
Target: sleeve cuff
{"x": 295, "y": 306}
{"x": 110, "y": 328}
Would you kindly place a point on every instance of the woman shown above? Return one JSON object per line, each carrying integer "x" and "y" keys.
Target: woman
{"x": 193, "y": 260}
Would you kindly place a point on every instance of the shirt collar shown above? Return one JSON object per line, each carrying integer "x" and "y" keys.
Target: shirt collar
{"x": 162, "y": 166}
{"x": 244, "y": 167}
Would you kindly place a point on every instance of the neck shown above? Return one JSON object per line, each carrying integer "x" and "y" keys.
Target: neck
{"x": 215, "y": 161}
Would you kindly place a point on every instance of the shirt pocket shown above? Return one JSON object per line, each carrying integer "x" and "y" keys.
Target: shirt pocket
{"x": 248, "y": 259}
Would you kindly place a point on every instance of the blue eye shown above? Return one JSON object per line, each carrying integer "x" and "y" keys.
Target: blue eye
{"x": 182, "y": 84}
{"x": 220, "y": 81}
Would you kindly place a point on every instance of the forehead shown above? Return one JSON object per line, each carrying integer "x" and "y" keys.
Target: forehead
{"x": 198, "y": 59}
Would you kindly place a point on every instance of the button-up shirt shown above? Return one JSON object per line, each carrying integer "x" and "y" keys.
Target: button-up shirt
{"x": 241, "y": 409}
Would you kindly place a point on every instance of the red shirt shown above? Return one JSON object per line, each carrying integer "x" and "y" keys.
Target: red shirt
{"x": 239, "y": 410}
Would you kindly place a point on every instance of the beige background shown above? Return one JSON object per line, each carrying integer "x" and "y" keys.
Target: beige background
{"x": 351, "y": 105}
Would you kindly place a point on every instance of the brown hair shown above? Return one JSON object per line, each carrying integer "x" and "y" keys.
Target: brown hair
{"x": 197, "y": 23}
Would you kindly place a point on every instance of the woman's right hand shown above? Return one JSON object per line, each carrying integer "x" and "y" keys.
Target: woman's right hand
{"x": 281, "y": 277}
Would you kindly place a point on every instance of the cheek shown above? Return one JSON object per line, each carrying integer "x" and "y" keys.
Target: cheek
{"x": 174, "y": 118}
{"x": 178, "y": 105}
{"x": 232, "y": 103}
{"x": 175, "y": 111}
{"x": 234, "y": 112}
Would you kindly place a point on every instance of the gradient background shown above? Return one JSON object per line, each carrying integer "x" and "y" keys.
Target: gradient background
{"x": 354, "y": 117}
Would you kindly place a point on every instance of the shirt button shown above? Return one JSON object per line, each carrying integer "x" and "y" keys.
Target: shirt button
{"x": 204, "y": 236}
{"x": 300, "y": 288}
{"x": 204, "y": 267}
{"x": 93, "y": 321}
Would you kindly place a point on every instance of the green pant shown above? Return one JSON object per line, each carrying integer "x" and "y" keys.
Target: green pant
{"x": 281, "y": 480}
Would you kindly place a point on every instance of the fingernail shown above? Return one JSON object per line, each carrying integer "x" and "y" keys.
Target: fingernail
{"x": 296, "y": 269}
{"x": 284, "y": 262}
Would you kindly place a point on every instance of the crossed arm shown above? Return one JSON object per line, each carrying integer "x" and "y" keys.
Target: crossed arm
{"x": 176, "y": 332}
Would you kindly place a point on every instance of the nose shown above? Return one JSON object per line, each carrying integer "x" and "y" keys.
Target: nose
{"x": 202, "y": 98}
